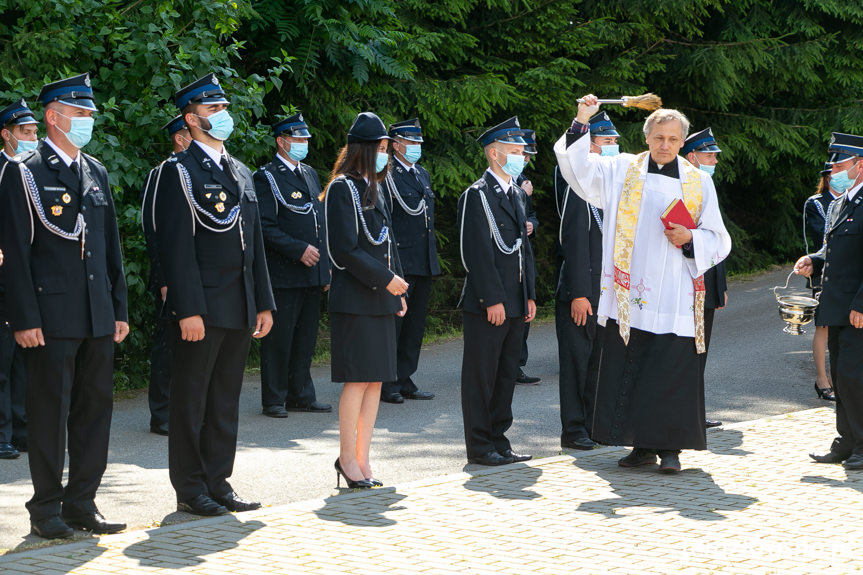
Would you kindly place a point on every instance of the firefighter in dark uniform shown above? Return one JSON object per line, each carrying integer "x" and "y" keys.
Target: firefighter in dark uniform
{"x": 702, "y": 152}
{"x": 19, "y": 130}
{"x": 841, "y": 303}
{"x": 66, "y": 301}
{"x": 295, "y": 238}
{"x": 498, "y": 295}
{"x": 577, "y": 297}
{"x": 160, "y": 353}
{"x": 412, "y": 205}
{"x": 211, "y": 252}
{"x": 532, "y": 226}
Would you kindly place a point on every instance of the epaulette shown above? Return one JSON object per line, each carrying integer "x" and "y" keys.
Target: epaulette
{"x": 23, "y": 156}
{"x": 172, "y": 159}
{"x": 92, "y": 159}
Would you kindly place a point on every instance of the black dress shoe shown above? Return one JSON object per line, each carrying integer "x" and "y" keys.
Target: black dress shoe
{"x": 8, "y": 451}
{"x": 669, "y": 462}
{"x": 275, "y": 411}
{"x": 516, "y": 457}
{"x": 638, "y": 456}
{"x": 491, "y": 458}
{"x": 829, "y": 457}
{"x": 159, "y": 429}
{"x": 92, "y": 521}
{"x": 392, "y": 398}
{"x": 418, "y": 395}
{"x": 581, "y": 443}
{"x": 525, "y": 379}
{"x": 711, "y": 423}
{"x": 202, "y": 505}
{"x": 51, "y": 528}
{"x": 854, "y": 462}
{"x": 315, "y": 407}
{"x": 232, "y": 502}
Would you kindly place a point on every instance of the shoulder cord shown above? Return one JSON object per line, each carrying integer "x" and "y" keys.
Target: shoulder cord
{"x": 306, "y": 209}
{"x": 827, "y": 216}
{"x": 493, "y": 232}
{"x": 358, "y": 217}
{"x": 155, "y": 192}
{"x": 421, "y": 206}
{"x": 820, "y": 210}
{"x": 596, "y": 216}
{"x": 229, "y": 221}
{"x": 30, "y": 186}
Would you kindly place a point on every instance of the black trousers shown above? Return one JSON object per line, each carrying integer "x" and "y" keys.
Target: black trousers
{"x": 13, "y": 390}
{"x": 579, "y": 350}
{"x": 158, "y": 395}
{"x": 69, "y": 399}
{"x": 409, "y": 334}
{"x": 287, "y": 351}
{"x": 488, "y": 372}
{"x": 205, "y": 394}
{"x": 522, "y": 358}
{"x": 845, "y": 345}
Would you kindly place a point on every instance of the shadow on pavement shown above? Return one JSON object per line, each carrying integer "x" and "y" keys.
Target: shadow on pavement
{"x": 367, "y": 510}
{"x": 691, "y": 493}
{"x": 726, "y": 442}
{"x": 852, "y": 481}
{"x": 511, "y": 484}
{"x": 191, "y": 546}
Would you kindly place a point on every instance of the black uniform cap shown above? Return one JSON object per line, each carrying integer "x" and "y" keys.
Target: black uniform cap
{"x": 204, "y": 90}
{"x": 295, "y": 125}
{"x": 367, "y": 127}
{"x": 17, "y": 114}
{"x": 408, "y": 129}
{"x": 507, "y": 132}
{"x": 74, "y": 91}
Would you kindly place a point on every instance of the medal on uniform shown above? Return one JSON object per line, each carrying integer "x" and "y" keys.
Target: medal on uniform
{"x": 223, "y": 196}
{"x": 207, "y": 195}
{"x": 67, "y": 198}
{"x": 220, "y": 207}
{"x": 57, "y": 210}
{"x": 297, "y": 195}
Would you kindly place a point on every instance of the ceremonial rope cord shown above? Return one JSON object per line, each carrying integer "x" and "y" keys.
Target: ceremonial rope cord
{"x": 229, "y": 221}
{"x": 493, "y": 231}
{"x": 76, "y": 234}
{"x": 358, "y": 216}
{"x": 421, "y": 206}
{"x": 385, "y": 232}
{"x": 302, "y": 210}
{"x": 596, "y": 216}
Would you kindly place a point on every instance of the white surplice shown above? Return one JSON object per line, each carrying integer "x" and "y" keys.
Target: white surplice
{"x": 661, "y": 289}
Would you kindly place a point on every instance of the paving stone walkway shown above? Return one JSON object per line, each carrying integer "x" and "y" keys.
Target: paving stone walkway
{"x": 754, "y": 503}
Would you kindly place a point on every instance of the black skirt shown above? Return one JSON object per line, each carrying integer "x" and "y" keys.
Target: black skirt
{"x": 362, "y": 347}
{"x": 650, "y": 393}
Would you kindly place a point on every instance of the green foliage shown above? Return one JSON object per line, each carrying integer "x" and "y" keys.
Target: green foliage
{"x": 772, "y": 78}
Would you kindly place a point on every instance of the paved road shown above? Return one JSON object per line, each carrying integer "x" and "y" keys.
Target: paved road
{"x": 754, "y": 371}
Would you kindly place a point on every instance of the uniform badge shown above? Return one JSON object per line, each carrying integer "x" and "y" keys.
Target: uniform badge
{"x": 67, "y": 198}
{"x": 220, "y": 207}
{"x": 207, "y": 195}
{"x": 296, "y": 195}
{"x": 223, "y": 196}
{"x": 57, "y": 210}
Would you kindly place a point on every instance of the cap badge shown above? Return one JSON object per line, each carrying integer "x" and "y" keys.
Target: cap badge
{"x": 57, "y": 210}
{"x": 87, "y": 80}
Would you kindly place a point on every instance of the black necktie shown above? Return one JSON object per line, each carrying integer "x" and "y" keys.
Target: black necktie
{"x": 226, "y": 167}
{"x": 74, "y": 167}
{"x": 298, "y": 173}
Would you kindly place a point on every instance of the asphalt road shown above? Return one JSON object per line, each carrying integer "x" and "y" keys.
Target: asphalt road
{"x": 754, "y": 371}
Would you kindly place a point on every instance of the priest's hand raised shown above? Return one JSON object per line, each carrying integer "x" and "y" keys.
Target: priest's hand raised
{"x": 587, "y": 109}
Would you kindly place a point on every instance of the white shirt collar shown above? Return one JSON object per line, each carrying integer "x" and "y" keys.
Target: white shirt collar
{"x": 853, "y": 191}
{"x": 291, "y": 166}
{"x": 214, "y": 154}
{"x": 67, "y": 159}
{"x": 504, "y": 185}
{"x": 8, "y": 157}
{"x": 407, "y": 167}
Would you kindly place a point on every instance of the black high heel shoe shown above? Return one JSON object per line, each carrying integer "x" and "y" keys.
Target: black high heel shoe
{"x": 361, "y": 484}
{"x": 375, "y": 482}
{"x": 826, "y": 393}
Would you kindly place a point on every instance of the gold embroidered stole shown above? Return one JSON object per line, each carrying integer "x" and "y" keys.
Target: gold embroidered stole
{"x": 624, "y": 238}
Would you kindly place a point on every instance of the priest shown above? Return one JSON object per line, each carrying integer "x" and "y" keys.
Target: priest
{"x": 650, "y": 393}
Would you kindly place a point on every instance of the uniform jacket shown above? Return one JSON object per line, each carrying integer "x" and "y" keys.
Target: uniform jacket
{"x": 287, "y": 233}
{"x": 220, "y": 275}
{"x": 715, "y": 286}
{"x": 581, "y": 246}
{"x": 360, "y": 288}
{"x": 3, "y": 161}
{"x": 814, "y": 215}
{"x": 414, "y": 235}
{"x": 493, "y": 277}
{"x": 841, "y": 263}
{"x": 156, "y": 279}
{"x": 52, "y": 282}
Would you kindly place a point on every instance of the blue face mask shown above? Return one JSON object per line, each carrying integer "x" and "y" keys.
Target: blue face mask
{"x": 81, "y": 131}
{"x": 298, "y": 151}
{"x": 381, "y": 162}
{"x": 25, "y": 146}
{"x": 221, "y": 125}
{"x": 413, "y": 153}
{"x": 610, "y": 150}
{"x": 840, "y": 181}
{"x": 708, "y": 169}
{"x": 514, "y": 165}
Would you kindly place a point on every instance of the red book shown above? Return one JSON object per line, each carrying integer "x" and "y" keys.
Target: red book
{"x": 676, "y": 213}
